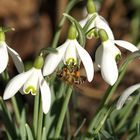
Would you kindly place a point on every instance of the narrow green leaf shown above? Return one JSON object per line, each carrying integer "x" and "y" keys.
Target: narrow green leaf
{"x": 6, "y": 117}
{"x": 29, "y": 132}
{"x": 138, "y": 128}
{"x": 79, "y": 128}
{"x": 40, "y": 121}
{"x": 8, "y": 135}
{"x": 16, "y": 109}
{"x": 81, "y": 33}
{"x": 44, "y": 137}
{"x": 136, "y": 118}
{"x": 22, "y": 125}
{"x": 106, "y": 134}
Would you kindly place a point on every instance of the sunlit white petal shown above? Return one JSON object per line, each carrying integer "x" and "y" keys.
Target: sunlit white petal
{"x": 127, "y": 45}
{"x": 126, "y": 94}
{"x": 109, "y": 68}
{"x": 32, "y": 84}
{"x": 16, "y": 59}
{"x": 15, "y": 84}
{"x": 52, "y": 60}
{"x": 45, "y": 94}
{"x": 87, "y": 61}
{"x": 110, "y": 46}
{"x": 3, "y": 56}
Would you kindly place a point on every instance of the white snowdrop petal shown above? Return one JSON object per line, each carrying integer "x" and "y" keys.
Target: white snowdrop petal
{"x": 15, "y": 84}
{"x": 83, "y": 22}
{"x": 16, "y": 59}
{"x": 101, "y": 23}
{"x": 52, "y": 60}
{"x": 109, "y": 68}
{"x": 127, "y": 45}
{"x": 3, "y": 56}
{"x": 87, "y": 62}
{"x": 45, "y": 94}
{"x": 126, "y": 94}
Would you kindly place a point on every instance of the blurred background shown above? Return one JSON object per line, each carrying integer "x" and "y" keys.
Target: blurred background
{"x": 35, "y": 23}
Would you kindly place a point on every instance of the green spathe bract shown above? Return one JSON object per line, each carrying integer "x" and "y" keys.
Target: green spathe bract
{"x": 72, "y": 33}
{"x": 103, "y": 35}
{"x": 91, "y": 7}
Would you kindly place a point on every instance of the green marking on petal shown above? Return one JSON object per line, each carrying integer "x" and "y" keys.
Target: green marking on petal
{"x": 71, "y": 61}
{"x": 92, "y": 33}
{"x": 31, "y": 89}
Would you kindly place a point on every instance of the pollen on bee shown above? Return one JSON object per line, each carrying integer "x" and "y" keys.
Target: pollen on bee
{"x": 77, "y": 73}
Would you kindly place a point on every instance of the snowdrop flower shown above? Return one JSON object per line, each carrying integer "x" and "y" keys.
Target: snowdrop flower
{"x": 70, "y": 52}
{"x": 98, "y": 22}
{"x": 30, "y": 82}
{"x": 126, "y": 94}
{"x": 4, "y": 50}
{"x": 106, "y": 56}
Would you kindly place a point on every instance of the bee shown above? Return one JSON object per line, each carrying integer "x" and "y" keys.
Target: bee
{"x": 71, "y": 74}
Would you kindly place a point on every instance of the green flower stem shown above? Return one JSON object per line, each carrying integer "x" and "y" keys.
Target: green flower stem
{"x": 61, "y": 23}
{"x": 112, "y": 89}
{"x": 40, "y": 121}
{"x": 16, "y": 109}
{"x": 35, "y": 115}
{"x": 62, "y": 113}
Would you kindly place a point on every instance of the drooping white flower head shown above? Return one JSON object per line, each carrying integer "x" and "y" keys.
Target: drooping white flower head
{"x": 98, "y": 22}
{"x": 4, "y": 50}
{"x": 30, "y": 82}
{"x": 126, "y": 94}
{"x": 106, "y": 55}
{"x": 70, "y": 51}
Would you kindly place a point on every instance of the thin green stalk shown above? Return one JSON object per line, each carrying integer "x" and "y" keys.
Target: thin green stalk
{"x": 16, "y": 109}
{"x": 68, "y": 124}
{"x": 35, "y": 115}
{"x": 61, "y": 23}
{"x": 40, "y": 121}
{"x": 63, "y": 113}
{"x": 44, "y": 133}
